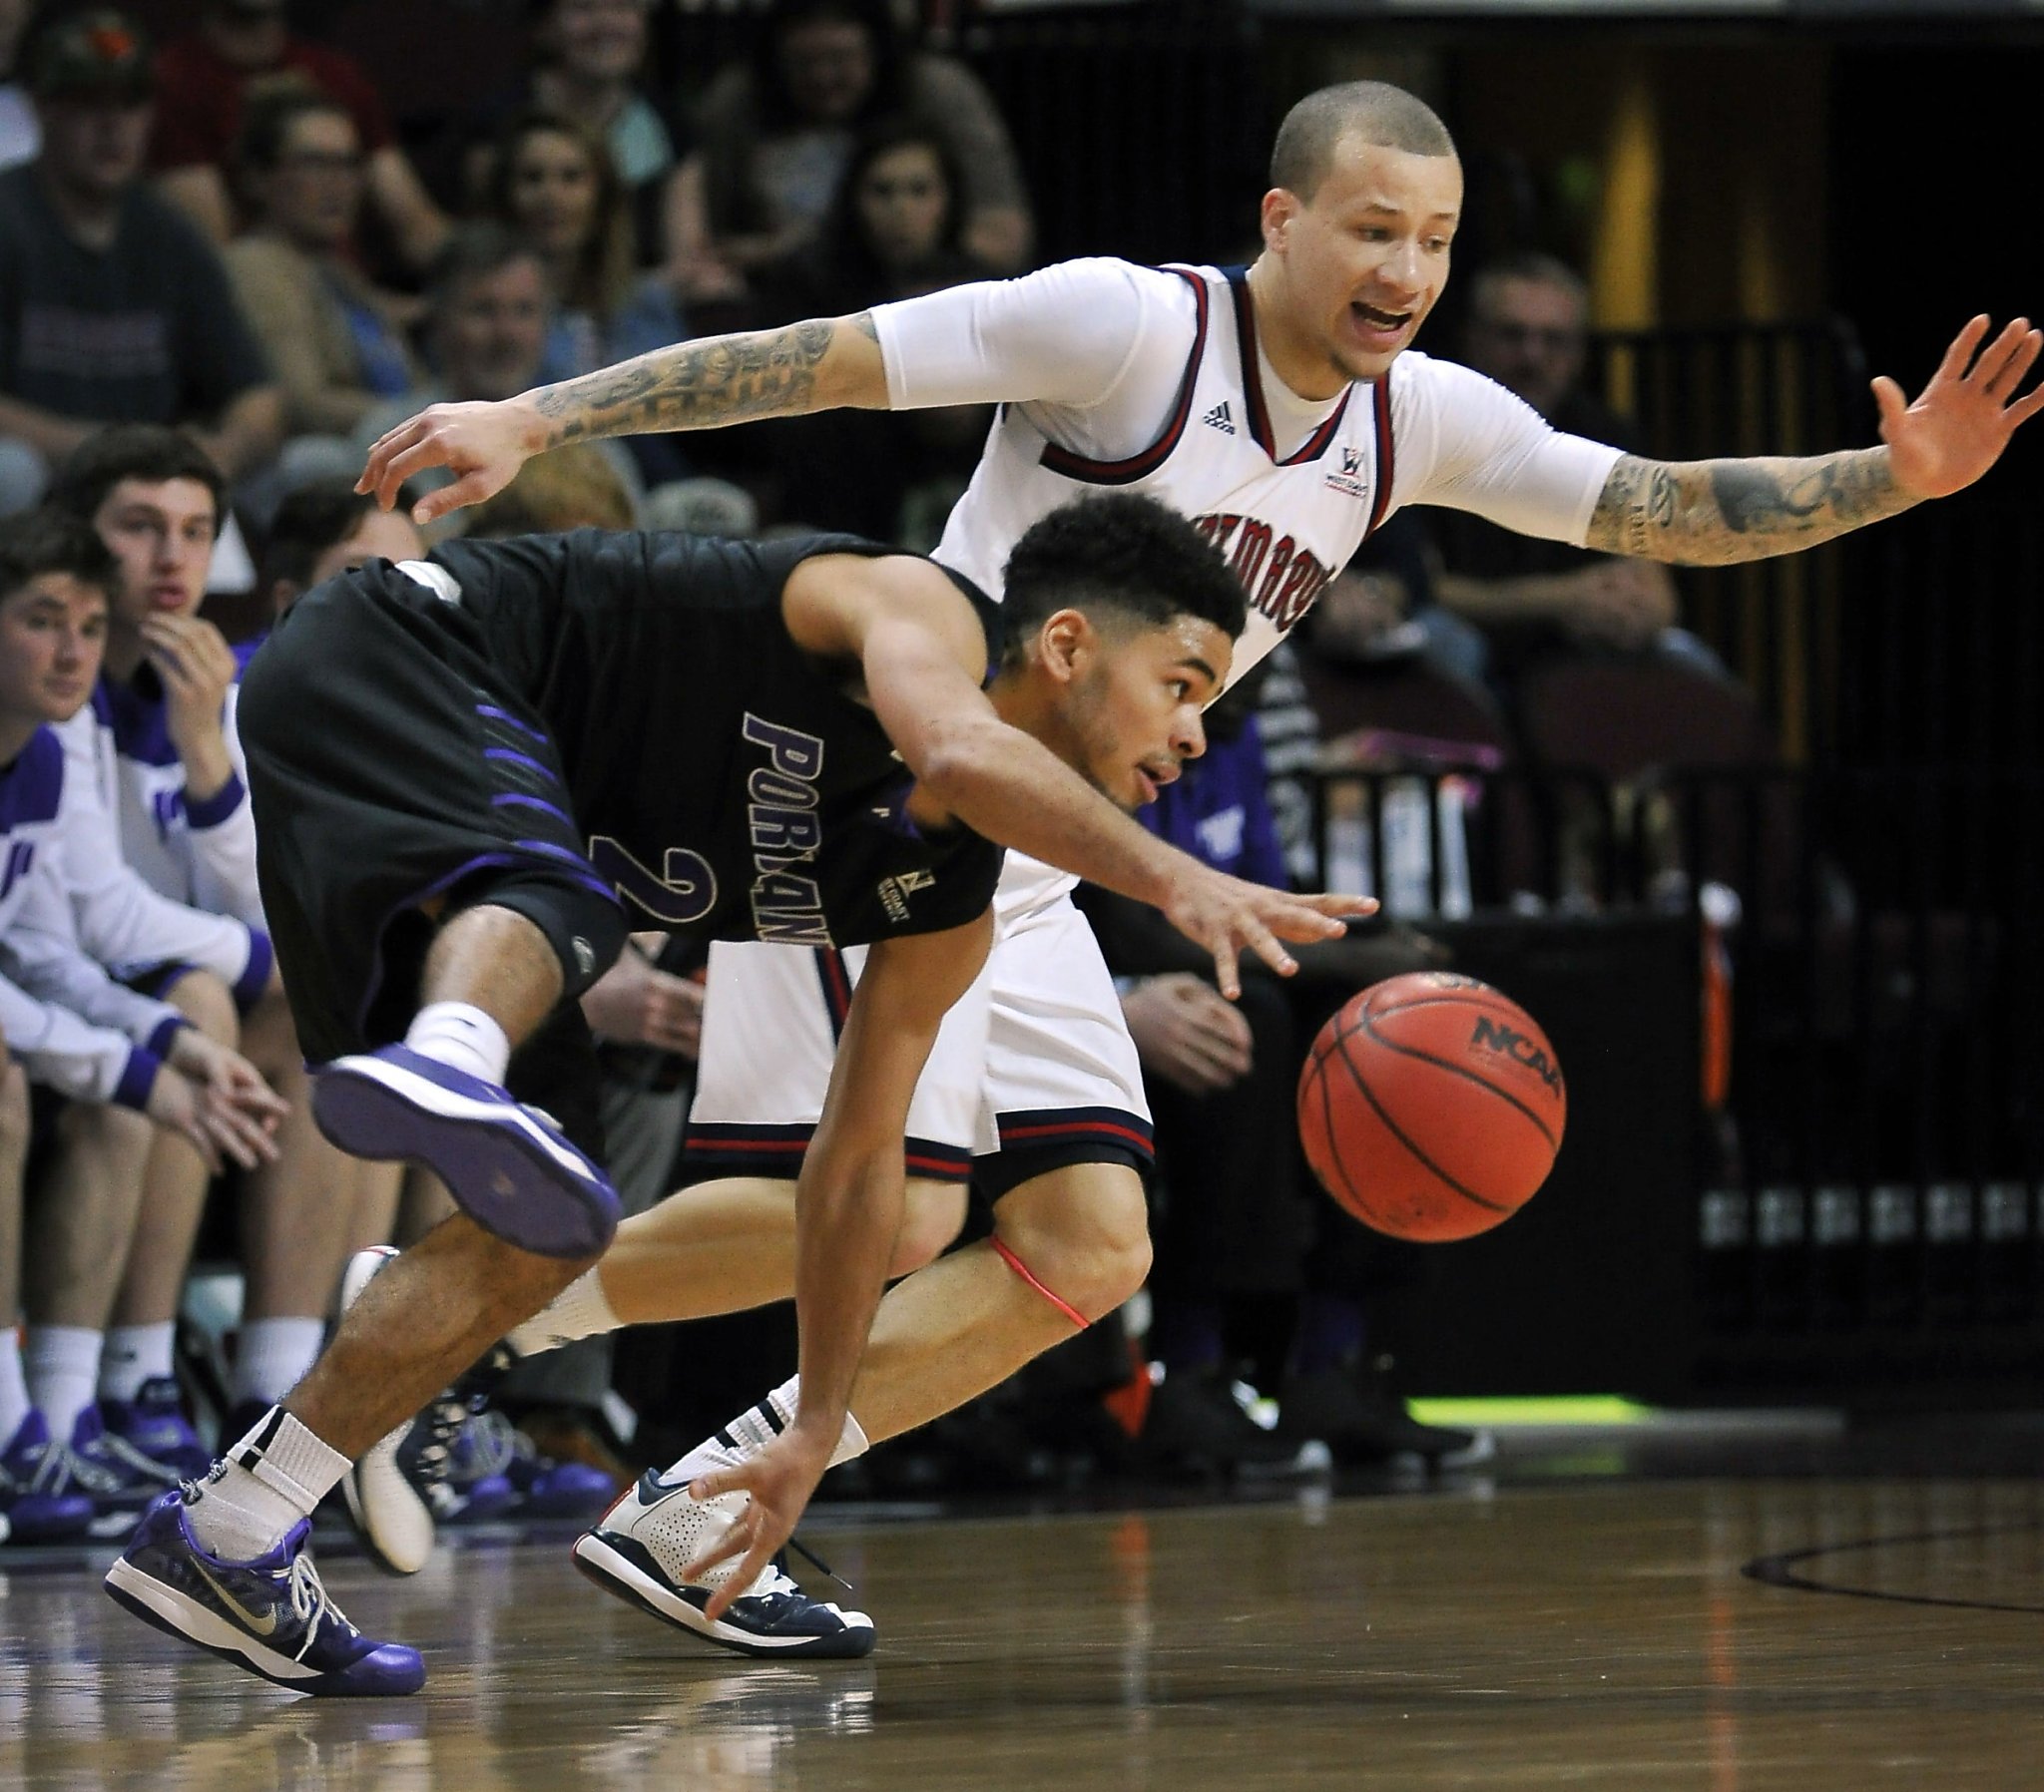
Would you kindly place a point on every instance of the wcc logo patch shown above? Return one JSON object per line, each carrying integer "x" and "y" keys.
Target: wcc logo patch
{"x": 1350, "y": 477}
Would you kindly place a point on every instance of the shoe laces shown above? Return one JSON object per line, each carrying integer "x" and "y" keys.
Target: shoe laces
{"x": 311, "y": 1601}
{"x": 444, "y": 1419}
{"x": 497, "y": 1443}
{"x": 111, "y": 1447}
{"x": 63, "y": 1467}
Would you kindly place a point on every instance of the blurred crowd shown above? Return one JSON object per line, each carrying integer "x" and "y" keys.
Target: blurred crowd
{"x": 224, "y": 272}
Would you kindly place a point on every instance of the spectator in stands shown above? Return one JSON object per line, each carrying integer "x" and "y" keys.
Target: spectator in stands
{"x": 159, "y": 740}
{"x": 1238, "y": 1233}
{"x": 777, "y": 134}
{"x": 1528, "y": 329}
{"x": 325, "y": 528}
{"x": 552, "y": 182}
{"x": 20, "y": 136}
{"x": 334, "y": 341}
{"x": 486, "y": 332}
{"x": 587, "y": 56}
{"x": 112, "y": 309}
{"x": 113, "y": 1059}
{"x": 205, "y": 78}
{"x": 893, "y": 231}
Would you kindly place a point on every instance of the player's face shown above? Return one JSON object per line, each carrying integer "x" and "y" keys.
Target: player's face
{"x": 902, "y": 197}
{"x": 1136, "y": 704}
{"x": 553, "y": 191}
{"x": 161, "y": 531}
{"x": 53, "y": 635}
{"x": 316, "y": 187}
{"x": 1363, "y": 261}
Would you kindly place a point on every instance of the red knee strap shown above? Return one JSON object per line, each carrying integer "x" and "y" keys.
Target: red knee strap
{"x": 1022, "y": 1269}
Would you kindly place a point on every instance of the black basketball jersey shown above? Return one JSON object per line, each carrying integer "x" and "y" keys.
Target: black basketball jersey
{"x": 727, "y": 784}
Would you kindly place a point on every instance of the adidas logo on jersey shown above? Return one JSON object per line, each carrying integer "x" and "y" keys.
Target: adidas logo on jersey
{"x": 1218, "y": 418}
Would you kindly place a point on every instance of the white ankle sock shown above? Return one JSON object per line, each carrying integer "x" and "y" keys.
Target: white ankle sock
{"x": 272, "y": 1355}
{"x": 14, "y": 1399}
{"x": 270, "y": 1480}
{"x": 63, "y": 1366}
{"x": 461, "y": 1036}
{"x": 134, "y": 1354}
{"x": 756, "y": 1427}
{"x": 578, "y": 1311}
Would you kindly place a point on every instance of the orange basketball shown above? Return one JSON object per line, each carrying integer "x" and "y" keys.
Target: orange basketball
{"x": 1431, "y": 1107}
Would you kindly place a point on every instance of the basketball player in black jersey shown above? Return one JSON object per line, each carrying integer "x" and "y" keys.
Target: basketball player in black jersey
{"x": 473, "y": 774}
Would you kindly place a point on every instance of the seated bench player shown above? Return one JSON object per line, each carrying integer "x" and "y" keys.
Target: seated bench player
{"x": 473, "y": 773}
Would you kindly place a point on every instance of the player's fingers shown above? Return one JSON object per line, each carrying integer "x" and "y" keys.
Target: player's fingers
{"x": 2026, "y": 408}
{"x": 2019, "y": 362}
{"x": 1960, "y": 356}
{"x": 1995, "y": 356}
{"x": 1225, "y": 975}
{"x": 1264, "y": 943}
{"x": 1333, "y": 902}
{"x": 376, "y": 476}
{"x": 1891, "y": 403}
{"x": 470, "y": 488}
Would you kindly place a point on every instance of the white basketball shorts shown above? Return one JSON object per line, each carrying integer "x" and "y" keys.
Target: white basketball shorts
{"x": 1032, "y": 1068}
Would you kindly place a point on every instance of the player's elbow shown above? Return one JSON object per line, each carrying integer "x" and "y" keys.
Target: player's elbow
{"x": 958, "y": 763}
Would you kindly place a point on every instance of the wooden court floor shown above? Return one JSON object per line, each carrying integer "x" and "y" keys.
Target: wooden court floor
{"x": 1728, "y": 1636}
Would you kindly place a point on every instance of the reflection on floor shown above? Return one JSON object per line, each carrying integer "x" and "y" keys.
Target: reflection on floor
{"x": 1722, "y": 1604}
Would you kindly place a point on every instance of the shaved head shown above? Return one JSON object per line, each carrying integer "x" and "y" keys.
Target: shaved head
{"x": 1370, "y": 111}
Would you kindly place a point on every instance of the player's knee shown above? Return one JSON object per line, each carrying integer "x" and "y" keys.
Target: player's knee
{"x": 208, "y": 1003}
{"x": 933, "y": 1216}
{"x": 1082, "y": 1232}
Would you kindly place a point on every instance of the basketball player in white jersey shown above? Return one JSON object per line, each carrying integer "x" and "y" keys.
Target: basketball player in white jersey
{"x": 1285, "y": 410}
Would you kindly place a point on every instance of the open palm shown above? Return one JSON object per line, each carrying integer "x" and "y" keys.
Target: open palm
{"x": 1961, "y": 421}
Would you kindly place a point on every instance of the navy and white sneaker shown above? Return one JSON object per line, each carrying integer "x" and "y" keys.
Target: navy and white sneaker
{"x": 39, "y": 1503}
{"x": 507, "y": 1167}
{"x": 270, "y": 1615}
{"x": 639, "y": 1546}
{"x": 419, "y": 1477}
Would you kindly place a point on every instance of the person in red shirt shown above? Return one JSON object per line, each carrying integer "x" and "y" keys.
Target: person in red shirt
{"x": 201, "y": 79}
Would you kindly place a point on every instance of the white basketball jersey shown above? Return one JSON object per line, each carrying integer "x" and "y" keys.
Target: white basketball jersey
{"x": 1287, "y": 525}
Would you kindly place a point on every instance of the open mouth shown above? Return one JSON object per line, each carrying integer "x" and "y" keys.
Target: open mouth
{"x": 1377, "y": 322}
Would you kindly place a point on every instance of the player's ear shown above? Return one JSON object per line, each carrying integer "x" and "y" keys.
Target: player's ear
{"x": 1065, "y": 642}
{"x": 1280, "y": 206}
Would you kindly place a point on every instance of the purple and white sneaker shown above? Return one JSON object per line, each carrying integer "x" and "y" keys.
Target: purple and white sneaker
{"x": 507, "y": 1169}
{"x": 270, "y": 1615}
{"x": 154, "y": 1424}
{"x": 38, "y": 1502}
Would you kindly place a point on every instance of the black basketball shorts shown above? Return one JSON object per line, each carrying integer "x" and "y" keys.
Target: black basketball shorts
{"x": 398, "y": 774}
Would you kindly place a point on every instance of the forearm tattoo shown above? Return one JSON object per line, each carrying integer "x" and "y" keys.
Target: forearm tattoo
{"x": 1716, "y": 512}
{"x": 696, "y": 385}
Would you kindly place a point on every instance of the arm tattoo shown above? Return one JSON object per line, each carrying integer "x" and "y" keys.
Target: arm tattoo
{"x": 695, "y": 385}
{"x": 1716, "y": 512}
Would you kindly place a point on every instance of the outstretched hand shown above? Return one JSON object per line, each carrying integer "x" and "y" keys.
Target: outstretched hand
{"x": 1226, "y": 914}
{"x": 1961, "y": 422}
{"x": 483, "y": 445}
{"x": 779, "y": 1482}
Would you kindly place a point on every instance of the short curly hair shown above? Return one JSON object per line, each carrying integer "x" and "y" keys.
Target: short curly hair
{"x": 1126, "y": 552}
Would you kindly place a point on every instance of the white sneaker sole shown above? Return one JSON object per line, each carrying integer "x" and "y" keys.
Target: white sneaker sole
{"x": 619, "y": 1575}
{"x": 394, "y": 1521}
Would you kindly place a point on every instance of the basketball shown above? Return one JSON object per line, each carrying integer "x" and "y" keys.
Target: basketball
{"x": 1431, "y": 1107}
